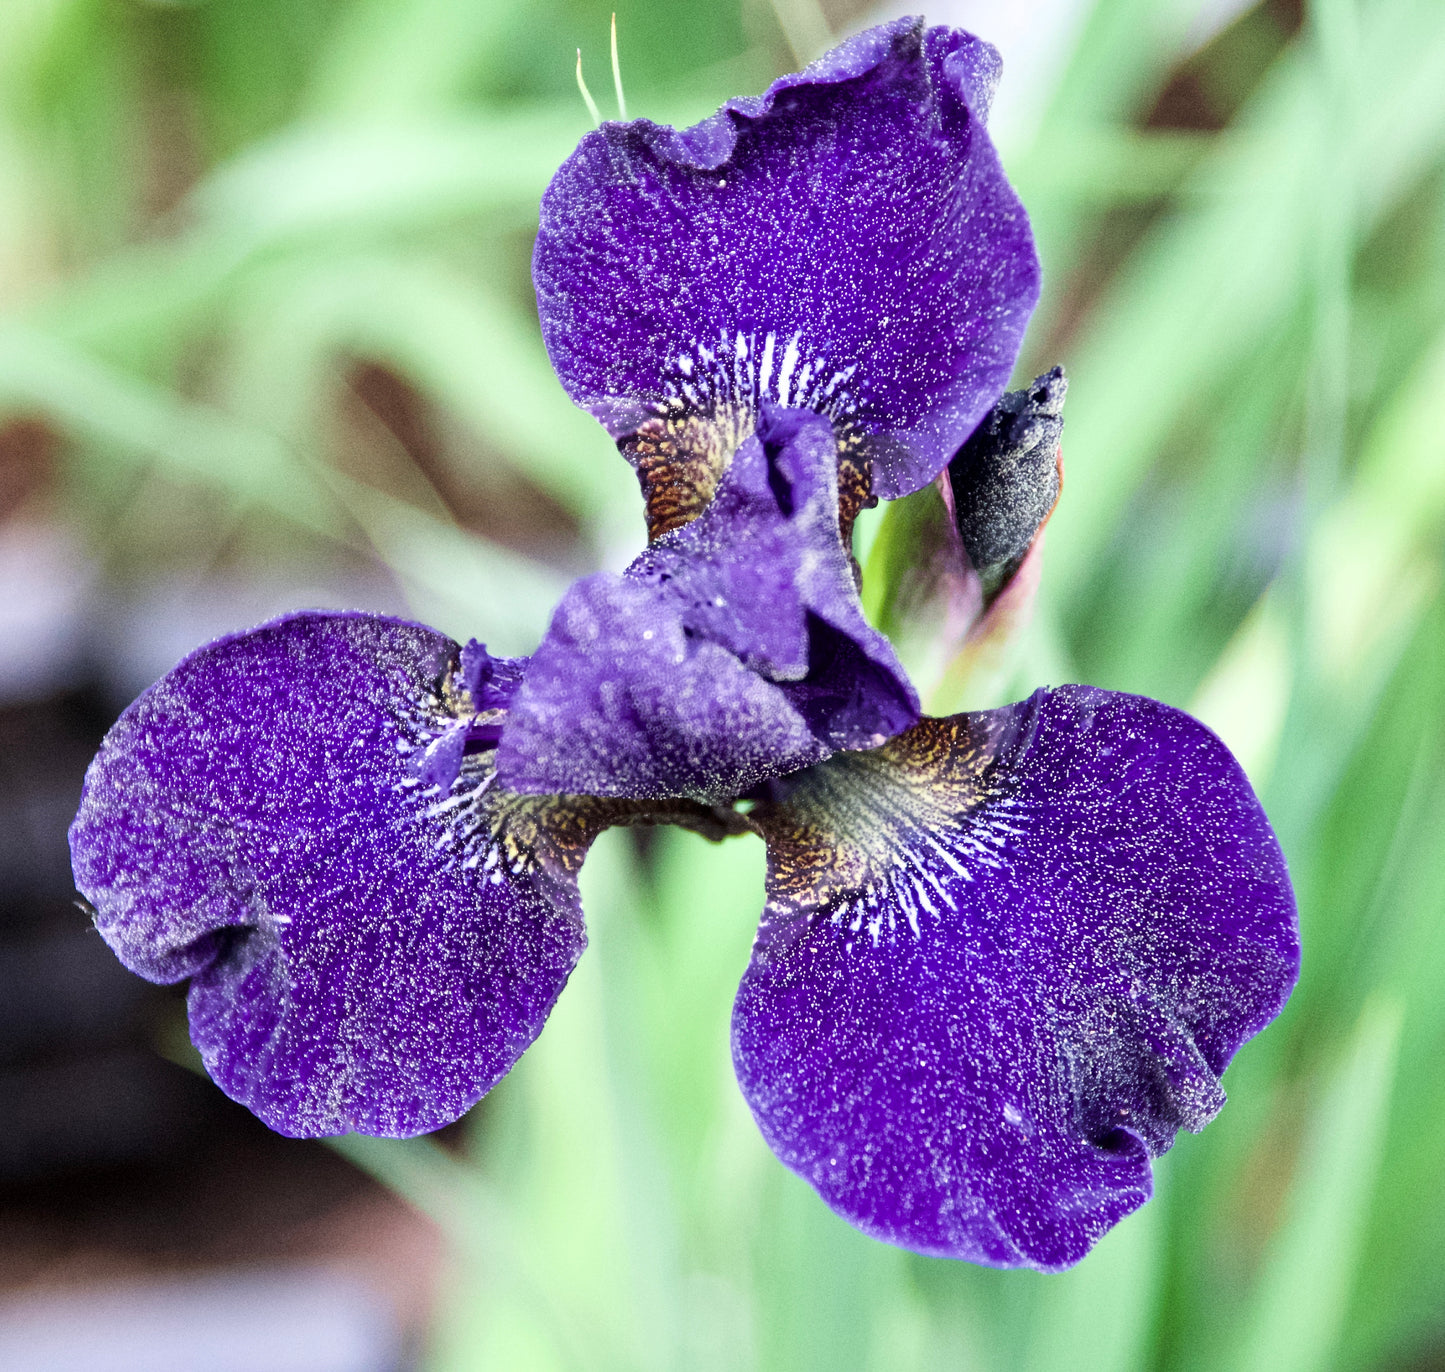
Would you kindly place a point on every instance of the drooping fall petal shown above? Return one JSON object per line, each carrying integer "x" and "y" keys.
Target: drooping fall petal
{"x": 1003, "y": 960}
{"x": 374, "y": 932}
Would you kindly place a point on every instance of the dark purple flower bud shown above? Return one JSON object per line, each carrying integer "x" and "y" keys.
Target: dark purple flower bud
{"x": 956, "y": 564}
{"x": 1005, "y": 480}
{"x": 846, "y": 243}
{"x": 1003, "y": 960}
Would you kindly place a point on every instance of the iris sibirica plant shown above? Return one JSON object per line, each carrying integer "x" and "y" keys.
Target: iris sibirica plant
{"x": 1004, "y": 956}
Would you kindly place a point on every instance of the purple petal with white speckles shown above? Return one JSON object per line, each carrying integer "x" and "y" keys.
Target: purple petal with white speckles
{"x": 733, "y": 650}
{"x": 846, "y": 242}
{"x": 1003, "y": 960}
{"x": 366, "y": 952}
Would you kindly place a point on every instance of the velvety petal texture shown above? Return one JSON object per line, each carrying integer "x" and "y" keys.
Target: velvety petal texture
{"x": 373, "y": 929}
{"x": 846, "y": 243}
{"x": 734, "y": 650}
{"x": 1003, "y": 960}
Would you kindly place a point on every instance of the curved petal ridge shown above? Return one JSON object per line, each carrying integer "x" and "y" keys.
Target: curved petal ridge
{"x": 1003, "y": 960}
{"x": 846, "y": 243}
{"x": 373, "y": 936}
{"x": 733, "y": 650}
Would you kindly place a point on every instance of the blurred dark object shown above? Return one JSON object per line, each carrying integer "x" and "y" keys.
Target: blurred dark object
{"x": 82, "y": 1083}
{"x": 27, "y": 463}
{"x": 79, "y": 1085}
{"x": 118, "y": 1165}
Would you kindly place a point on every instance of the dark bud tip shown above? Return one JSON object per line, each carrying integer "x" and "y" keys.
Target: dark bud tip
{"x": 1005, "y": 479}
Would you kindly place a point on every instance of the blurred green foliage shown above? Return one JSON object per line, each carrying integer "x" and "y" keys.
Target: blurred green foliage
{"x": 250, "y": 250}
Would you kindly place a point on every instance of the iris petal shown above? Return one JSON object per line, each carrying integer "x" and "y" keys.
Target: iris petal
{"x": 1003, "y": 960}
{"x": 367, "y": 951}
{"x": 734, "y": 650}
{"x": 846, "y": 243}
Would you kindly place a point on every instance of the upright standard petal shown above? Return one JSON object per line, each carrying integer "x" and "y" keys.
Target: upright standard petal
{"x": 733, "y": 650}
{"x": 845, "y": 243}
{"x": 1003, "y": 960}
{"x": 303, "y": 820}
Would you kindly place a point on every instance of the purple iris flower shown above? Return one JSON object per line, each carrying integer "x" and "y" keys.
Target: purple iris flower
{"x": 1004, "y": 956}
